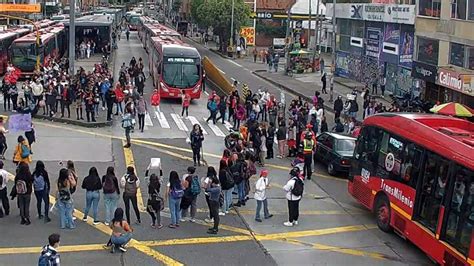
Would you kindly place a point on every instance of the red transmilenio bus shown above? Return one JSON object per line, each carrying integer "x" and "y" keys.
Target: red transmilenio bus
{"x": 175, "y": 66}
{"x": 416, "y": 172}
{"x": 154, "y": 30}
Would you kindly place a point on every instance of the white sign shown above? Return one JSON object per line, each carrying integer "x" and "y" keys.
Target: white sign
{"x": 389, "y": 162}
{"x": 450, "y": 80}
{"x": 403, "y": 14}
{"x": 365, "y": 174}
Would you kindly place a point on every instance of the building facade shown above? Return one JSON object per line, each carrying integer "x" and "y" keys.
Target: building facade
{"x": 444, "y": 38}
{"x": 375, "y": 44}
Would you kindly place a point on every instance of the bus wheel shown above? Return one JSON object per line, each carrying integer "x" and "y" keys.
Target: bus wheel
{"x": 382, "y": 214}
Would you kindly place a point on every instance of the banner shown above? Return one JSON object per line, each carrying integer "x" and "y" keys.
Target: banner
{"x": 249, "y": 34}
{"x": 372, "y": 47}
{"x": 26, "y": 8}
{"x": 392, "y": 33}
{"x": 19, "y": 123}
{"x": 406, "y": 49}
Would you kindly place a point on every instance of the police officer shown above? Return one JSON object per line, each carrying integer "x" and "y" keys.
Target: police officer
{"x": 308, "y": 147}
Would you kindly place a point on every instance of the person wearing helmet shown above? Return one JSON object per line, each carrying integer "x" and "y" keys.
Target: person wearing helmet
{"x": 294, "y": 192}
{"x": 308, "y": 147}
{"x": 260, "y": 196}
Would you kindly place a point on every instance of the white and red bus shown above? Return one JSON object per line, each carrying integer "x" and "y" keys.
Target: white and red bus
{"x": 416, "y": 173}
{"x": 175, "y": 66}
{"x": 157, "y": 30}
{"x": 6, "y": 39}
{"x": 142, "y": 22}
{"x": 24, "y": 50}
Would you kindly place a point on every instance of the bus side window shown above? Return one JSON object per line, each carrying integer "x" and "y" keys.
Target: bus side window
{"x": 460, "y": 213}
{"x": 159, "y": 67}
{"x": 367, "y": 145}
{"x": 410, "y": 167}
{"x": 435, "y": 177}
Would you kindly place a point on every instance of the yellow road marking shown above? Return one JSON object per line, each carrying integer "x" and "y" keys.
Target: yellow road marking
{"x": 70, "y": 248}
{"x": 129, "y": 161}
{"x": 134, "y": 243}
{"x": 157, "y": 144}
{"x": 317, "y": 232}
{"x": 197, "y": 240}
{"x": 348, "y": 251}
{"x": 306, "y": 212}
{"x": 228, "y": 228}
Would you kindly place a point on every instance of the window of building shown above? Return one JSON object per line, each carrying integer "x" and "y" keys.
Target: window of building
{"x": 470, "y": 10}
{"x": 430, "y": 8}
{"x": 470, "y": 57}
{"x": 357, "y": 28}
{"x": 428, "y": 50}
{"x": 460, "y": 214}
{"x": 457, "y": 54}
{"x": 344, "y": 26}
{"x": 344, "y": 43}
{"x": 458, "y": 9}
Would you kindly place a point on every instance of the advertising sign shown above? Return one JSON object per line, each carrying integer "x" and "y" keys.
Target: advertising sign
{"x": 406, "y": 49}
{"x": 392, "y": 33}
{"x": 26, "y": 8}
{"x": 372, "y": 48}
{"x": 392, "y": 13}
{"x": 424, "y": 71}
{"x": 456, "y": 81}
{"x": 342, "y": 65}
{"x": 249, "y": 34}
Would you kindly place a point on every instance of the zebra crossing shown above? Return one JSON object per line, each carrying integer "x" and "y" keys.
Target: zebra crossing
{"x": 176, "y": 122}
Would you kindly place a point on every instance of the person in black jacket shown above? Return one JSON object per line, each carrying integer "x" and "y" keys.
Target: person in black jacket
{"x": 222, "y": 108}
{"x": 196, "y": 138}
{"x": 110, "y": 98}
{"x": 111, "y": 190}
{"x": 92, "y": 184}
{"x": 269, "y": 140}
{"x": 338, "y": 107}
{"x": 42, "y": 187}
{"x": 23, "y": 187}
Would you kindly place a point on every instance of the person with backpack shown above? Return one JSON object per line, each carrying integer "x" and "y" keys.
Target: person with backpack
{"x": 22, "y": 190}
{"x": 214, "y": 190}
{"x": 196, "y": 137}
{"x": 212, "y": 107}
{"x": 41, "y": 186}
{"x": 92, "y": 184}
{"x": 227, "y": 185}
{"x": 127, "y": 125}
{"x": 261, "y": 187}
{"x": 206, "y": 182}
{"x": 294, "y": 191}
{"x": 22, "y": 152}
{"x": 130, "y": 183}
{"x": 49, "y": 254}
{"x": 111, "y": 190}
{"x": 64, "y": 200}
{"x": 174, "y": 193}
{"x": 155, "y": 203}
{"x": 239, "y": 169}
{"x": 3, "y": 192}
{"x": 192, "y": 189}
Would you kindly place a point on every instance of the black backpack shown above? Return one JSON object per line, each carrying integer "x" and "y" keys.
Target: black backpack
{"x": 298, "y": 188}
{"x": 237, "y": 174}
{"x": 228, "y": 181}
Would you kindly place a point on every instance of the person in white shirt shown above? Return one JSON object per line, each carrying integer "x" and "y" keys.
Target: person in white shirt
{"x": 293, "y": 200}
{"x": 261, "y": 197}
{"x": 3, "y": 191}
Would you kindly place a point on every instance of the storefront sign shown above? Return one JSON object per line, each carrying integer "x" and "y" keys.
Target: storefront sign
{"x": 406, "y": 49}
{"x": 372, "y": 48}
{"x": 403, "y": 14}
{"x": 424, "y": 71}
{"x": 26, "y": 8}
{"x": 456, "y": 81}
{"x": 249, "y": 34}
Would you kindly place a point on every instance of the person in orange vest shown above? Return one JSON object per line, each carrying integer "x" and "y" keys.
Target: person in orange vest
{"x": 308, "y": 147}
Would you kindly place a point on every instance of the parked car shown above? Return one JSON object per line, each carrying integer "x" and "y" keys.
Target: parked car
{"x": 336, "y": 151}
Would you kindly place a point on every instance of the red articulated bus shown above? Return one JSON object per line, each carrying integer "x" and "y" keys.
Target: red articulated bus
{"x": 144, "y": 20}
{"x": 156, "y": 30}
{"x": 416, "y": 172}
{"x": 175, "y": 66}
{"x": 23, "y": 51}
{"x": 6, "y": 39}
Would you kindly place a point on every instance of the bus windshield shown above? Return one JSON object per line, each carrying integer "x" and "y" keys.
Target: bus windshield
{"x": 23, "y": 54}
{"x": 181, "y": 72}
{"x": 134, "y": 20}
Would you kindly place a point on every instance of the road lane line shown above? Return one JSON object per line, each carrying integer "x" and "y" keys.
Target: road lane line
{"x": 161, "y": 145}
{"x": 194, "y": 121}
{"x": 154, "y": 254}
{"x": 62, "y": 249}
{"x": 179, "y": 122}
{"x": 198, "y": 240}
{"x": 220, "y": 70}
{"x": 231, "y": 61}
{"x": 217, "y": 131}
{"x": 162, "y": 119}
{"x": 227, "y": 125}
{"x": 129, "y": 161}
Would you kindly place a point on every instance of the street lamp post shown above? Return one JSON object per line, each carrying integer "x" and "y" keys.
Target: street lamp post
{"x": 232, "y": 25}
{"x": 333, "y": 50}
{"x": 72, "y": 35}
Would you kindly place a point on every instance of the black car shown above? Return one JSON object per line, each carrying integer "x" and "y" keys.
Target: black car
{"x": 336, "y": 151}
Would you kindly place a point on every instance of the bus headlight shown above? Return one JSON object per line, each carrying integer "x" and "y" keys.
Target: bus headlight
{"x": 163, "y": 87}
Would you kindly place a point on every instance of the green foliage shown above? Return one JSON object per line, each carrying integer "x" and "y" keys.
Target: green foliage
{"x": 195, "y": 4}
{"x": 176, "y": 5}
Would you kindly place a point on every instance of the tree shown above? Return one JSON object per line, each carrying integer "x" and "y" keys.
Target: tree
{"x": 195, "y": 4}
{"x": 217, "y": 13}
{"x": 176, "y": 5}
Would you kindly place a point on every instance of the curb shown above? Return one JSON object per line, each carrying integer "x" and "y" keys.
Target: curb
{"x": 74, "y": 122}
{"x": 326, "y": 106}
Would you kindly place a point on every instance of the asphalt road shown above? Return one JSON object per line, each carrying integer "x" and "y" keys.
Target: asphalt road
{"x": 333, "y": 229}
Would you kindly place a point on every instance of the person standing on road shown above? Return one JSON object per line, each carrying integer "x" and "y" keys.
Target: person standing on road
{"x": 23, "y": 186}
{"x": 294, "y": 191}
{"x": 308, "y": 147}
{"x": 338, "y": 107}
{"x": 269, "y": 140}
{"x": 130, "y": 183}
{"x": 3, "y": 139}
{"x": 206, "y": 182}
{"x": 185, "y": 102}
{"x": 227, "y": 185}
{"x": 22, "y": 152}
{"x": 196, "y": 137}
{"x": 222, "y": 106}
{"x": 212, "y": 107}
{"x": 155, "y": 102}
{"x": 155, "y": 202}
{"x": 255, "y": 53}
{"x": 127, "y": 33}
{"x": 214, "y": 191}
{"x": 3, "y": 192}
{"x": 192, "y": 189}
{"x": 324, "y": 81}
{"x": 41, "y": 187}
{"x": 261, "y": 187}
{"x": 110, "y": 99}
{"x": 64, "y": 203}
{"x": 49, "y": 254}
{"x": 127, "y": 125}
{"x": 174, "y": 194}
{"x": 141, "y": 112}
{"x": 111, "y": 191}
{"x": 92, "y": 184}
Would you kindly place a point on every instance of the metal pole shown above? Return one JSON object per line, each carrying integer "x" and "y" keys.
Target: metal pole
{"x": 232, "y": 25}
{"x": 72, "y": 36}
{"x": 255, "y": 19}
{"x": 309, "y": 24}
{"x": 287, "y": 37}
{"x": 316, "y": 34}
{"x": 333, "y": 50}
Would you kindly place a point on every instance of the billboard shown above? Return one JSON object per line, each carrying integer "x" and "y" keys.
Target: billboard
{"x": 406, "y": 48}
{"x": 25, "y": 8}
{"x": 249, "y": 35}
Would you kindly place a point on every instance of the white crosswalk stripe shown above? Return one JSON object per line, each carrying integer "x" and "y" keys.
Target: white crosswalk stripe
{"x": 194, "y": 121}
{"x": 162, "y": 119}
{"x": 179, "y": 122}
{"x": 148, "y": 121}
{"x": 227, "y": 125}
{"x": 215, "y": 129}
